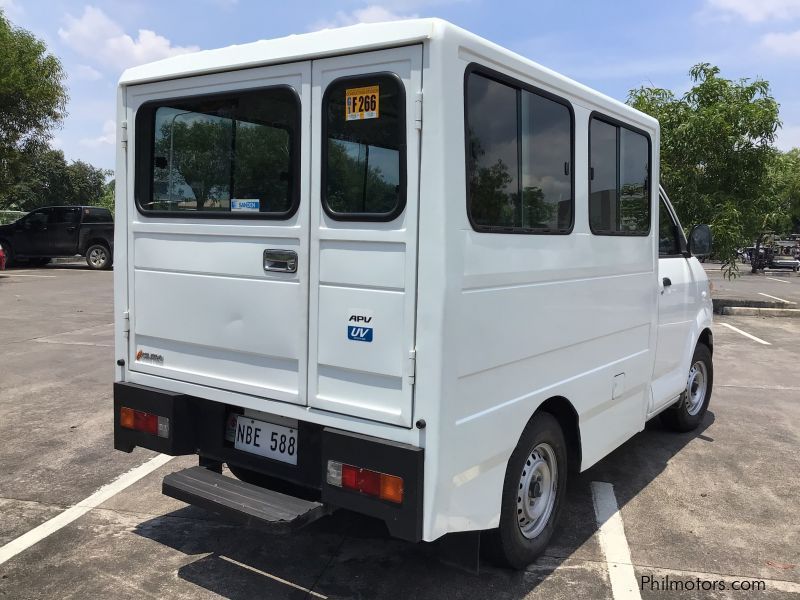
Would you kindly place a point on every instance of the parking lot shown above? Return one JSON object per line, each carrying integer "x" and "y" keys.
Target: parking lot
{"x": 770, "y": 286}
{"x": 716, "y": 506}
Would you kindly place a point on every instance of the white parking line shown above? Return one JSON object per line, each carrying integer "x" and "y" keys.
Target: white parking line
{"x": 8, "y": 274}
{"x": 37, "y": 534}
{"x": 745, "y": 334}
{"x": 776, "y": 298}
{"x": 614, "y": 543}
{"x": 273, "y": 577}
{"x": 776, "y": 279}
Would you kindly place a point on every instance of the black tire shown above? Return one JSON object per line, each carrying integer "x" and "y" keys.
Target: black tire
{"x": 98, "y": 257}
{"x": 688, "y": 412}
{"x": 507, "y": 545}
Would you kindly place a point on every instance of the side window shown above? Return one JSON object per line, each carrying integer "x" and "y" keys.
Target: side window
{"x": 230, "y": 155}
{"x": 70, "y": 216}
{"x": 38, "y": 219}
{"x": 668, "y": 241}
{"x": 619, "y": 180}
{"x": 519, "y": 157}
{"x": 364, "y": 148}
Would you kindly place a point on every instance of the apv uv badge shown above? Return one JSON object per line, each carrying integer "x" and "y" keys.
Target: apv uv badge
{"x": 359, "y": 325}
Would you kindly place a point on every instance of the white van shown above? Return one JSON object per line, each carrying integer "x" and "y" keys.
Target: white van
{"x": 397, "y": 269}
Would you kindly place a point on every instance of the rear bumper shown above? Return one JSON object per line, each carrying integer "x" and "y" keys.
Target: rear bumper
{"x": 197, "y": 426}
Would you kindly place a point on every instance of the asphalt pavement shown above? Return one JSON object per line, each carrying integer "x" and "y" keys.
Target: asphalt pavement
{"x": 715, "y": 506}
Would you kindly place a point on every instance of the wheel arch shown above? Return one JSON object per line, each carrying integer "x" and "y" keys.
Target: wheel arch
{"x": 96, "y": 240}
{"x": 566, "y": 415}
{"x": 707, "y": 338}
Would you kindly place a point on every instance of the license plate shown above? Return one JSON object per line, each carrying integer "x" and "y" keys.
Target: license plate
{"x": 267, "y": 439}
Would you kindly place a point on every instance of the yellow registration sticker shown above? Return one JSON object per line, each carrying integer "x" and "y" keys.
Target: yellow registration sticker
{"x": 362, "y": 103}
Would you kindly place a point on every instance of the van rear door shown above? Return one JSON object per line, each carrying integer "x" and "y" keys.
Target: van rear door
{"x": 365, "y": 165}
{"x": 218, "y": 238}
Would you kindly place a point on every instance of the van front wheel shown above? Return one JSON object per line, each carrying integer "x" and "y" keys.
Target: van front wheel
{"x": 688, "y": 412}
{"x": 533, "y": 493}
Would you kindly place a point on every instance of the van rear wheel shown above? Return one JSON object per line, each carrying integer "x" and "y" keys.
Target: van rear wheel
{"x": 533, "y": 494}
{"x": 690, "y": 409}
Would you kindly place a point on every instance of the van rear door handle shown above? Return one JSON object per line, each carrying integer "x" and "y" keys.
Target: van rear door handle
{"x": 281, "y": 261}
{"x": 666, "y": 281}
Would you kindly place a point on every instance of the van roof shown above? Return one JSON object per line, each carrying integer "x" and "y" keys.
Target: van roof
{"x": 344, "y": 40}
{"x": 316, "y": 44}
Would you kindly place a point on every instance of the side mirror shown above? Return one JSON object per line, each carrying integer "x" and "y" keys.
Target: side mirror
{"x": 700, "y": 239}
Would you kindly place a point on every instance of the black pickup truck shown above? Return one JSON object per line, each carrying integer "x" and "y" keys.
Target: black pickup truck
{"x": 54, "y": 231}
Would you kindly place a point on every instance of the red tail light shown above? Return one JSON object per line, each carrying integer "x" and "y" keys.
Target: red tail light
{"x": 366, "y": 481}
{"x": 138, "y": 420}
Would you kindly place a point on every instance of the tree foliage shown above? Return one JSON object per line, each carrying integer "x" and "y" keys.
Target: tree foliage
{"x": 32, "y": 95}
{"x": 717, "y": 156}
{"x": 786, "y": 177}
{"x": 44, "y": 178}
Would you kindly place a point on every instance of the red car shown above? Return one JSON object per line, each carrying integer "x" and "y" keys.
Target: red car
{"x": 2, "y": 259}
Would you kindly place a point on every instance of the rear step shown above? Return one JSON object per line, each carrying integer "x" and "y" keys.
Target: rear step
{"x": 231, "y": 497}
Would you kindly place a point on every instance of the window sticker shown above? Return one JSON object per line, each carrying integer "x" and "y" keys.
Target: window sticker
{"x": 245, "y": 205}
{"x": 362, "y": 103}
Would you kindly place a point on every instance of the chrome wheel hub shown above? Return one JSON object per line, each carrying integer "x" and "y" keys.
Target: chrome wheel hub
{"x": 97, "y": 257}
{"x": 536, "y": 495}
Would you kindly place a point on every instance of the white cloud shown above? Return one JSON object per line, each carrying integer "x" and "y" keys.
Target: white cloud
{"x": 109, "y": 136}
{"x": 373, "y": 13}
{"x": 94, "y": 35}
{"x": 783, "y": 44}
{"x": 756, "y": 11}
{"x": 85, "y": 73}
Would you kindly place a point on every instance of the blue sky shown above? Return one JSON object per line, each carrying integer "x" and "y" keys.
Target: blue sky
{"x": 612, "y": 46}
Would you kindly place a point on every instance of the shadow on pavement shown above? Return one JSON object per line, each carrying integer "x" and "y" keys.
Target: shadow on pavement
{"x": 347, "y": 555}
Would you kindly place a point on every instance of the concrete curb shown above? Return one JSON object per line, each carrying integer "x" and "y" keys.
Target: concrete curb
{"x": 749, "y": 311}
{"x": 65, "y": 261}
{"x": 721, "y": 304}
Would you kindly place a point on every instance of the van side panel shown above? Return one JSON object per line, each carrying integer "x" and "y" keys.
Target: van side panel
{"x": 528, "y": 317}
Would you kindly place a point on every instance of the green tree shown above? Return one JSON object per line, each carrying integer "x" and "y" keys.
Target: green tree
{"x": 44, "y": 178}
{"x": 86, "y": 183}
{"x": 786, "y": 176}
{"x": 717, "y": 155}
{"x": 32, "y": 97}
{"x": 109, "y": 196}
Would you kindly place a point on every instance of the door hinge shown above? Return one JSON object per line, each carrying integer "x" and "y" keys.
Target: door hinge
{"x": 412, "y": 366}
{"x": 126, "y": 323}
{"x": 418, "y": 111}
{"x": 123, "y": 135}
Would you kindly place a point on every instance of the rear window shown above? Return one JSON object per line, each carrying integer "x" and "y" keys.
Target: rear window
{"x": 364, "y": 148}
{"x": 97, "y": 215}
{"x": 232, "y": 155}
